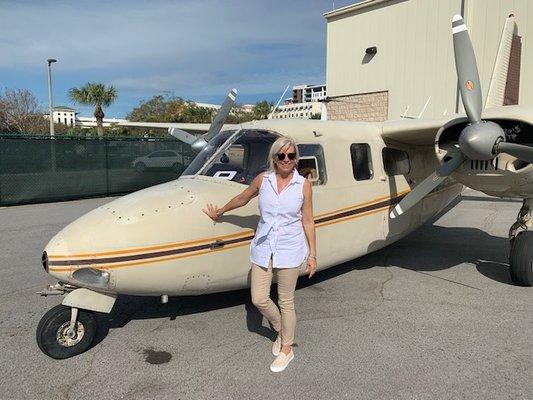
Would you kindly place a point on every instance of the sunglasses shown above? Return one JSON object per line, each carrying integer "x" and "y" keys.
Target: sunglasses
{"x": 281, "y": 156}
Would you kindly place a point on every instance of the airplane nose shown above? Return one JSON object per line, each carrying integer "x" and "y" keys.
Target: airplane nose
{"x": 137, "y": 220}
{"x": 54, "y": 251}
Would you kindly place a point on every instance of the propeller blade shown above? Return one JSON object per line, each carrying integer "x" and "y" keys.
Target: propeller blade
{"x": 467, "y": 74}
{"x": 185, "y": 137}
{"x": 428, "y": 184}
{"x": 520, "y": 151}
{"x": 221, "y": 116}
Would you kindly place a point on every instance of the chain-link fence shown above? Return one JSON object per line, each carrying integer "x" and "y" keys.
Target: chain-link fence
{"x": 39, "y": 169}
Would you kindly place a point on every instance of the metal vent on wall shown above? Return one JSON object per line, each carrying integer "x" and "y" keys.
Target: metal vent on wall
{"x": 484, "y": 165}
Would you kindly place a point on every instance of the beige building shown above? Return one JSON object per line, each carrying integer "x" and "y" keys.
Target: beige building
{"x": 392, "y": 58}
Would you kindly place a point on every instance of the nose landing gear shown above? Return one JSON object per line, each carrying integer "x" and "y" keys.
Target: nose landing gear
{"x": 64, "y": 332}
{"x": 521, "y": 237}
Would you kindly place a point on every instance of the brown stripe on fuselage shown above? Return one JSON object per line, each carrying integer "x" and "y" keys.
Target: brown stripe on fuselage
{"x": 151, "y": 255}
{"x": 360, "y": 210}
{"x": 211, "y": 244}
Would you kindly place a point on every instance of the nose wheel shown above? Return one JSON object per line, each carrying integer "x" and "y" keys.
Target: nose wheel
{"x": 65, "y": 332}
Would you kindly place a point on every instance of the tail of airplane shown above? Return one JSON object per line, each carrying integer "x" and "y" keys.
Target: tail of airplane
{"x": 498, "y": 81}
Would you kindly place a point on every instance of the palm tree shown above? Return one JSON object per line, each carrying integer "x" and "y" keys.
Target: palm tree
{"x": 97, "y": 95}
{"x": 262, "y": 109}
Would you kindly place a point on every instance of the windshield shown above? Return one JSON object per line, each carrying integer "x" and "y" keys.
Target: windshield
{"x": 239, "y": 159}
{"x": 206, "y": 153}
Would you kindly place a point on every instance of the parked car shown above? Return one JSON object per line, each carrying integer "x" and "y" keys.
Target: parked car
{"x": 165, "y": 159}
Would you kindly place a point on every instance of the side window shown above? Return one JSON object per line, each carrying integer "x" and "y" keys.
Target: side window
{"x": 235, "y": 155}
{"x": 361, "y": 161}
{"x": 395, "y": 162}
{"x": 311, "y": 164}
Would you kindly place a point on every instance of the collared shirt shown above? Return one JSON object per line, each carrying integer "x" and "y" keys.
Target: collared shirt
{"x": 280, "y": 233}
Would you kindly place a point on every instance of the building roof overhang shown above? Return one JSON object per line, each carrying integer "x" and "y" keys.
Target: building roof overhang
{"x": 353, "y": 7}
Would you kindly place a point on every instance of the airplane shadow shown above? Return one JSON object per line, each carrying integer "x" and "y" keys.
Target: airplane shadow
{"x": 436, "y": 248}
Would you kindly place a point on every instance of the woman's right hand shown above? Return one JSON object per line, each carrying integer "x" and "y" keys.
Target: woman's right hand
{"x": 212, "y": 211}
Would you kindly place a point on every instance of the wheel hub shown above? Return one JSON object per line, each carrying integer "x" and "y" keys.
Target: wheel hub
{"x": 70, "y": 337}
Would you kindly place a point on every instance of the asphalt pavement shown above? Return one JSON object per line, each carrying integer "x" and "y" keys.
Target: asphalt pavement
{"x": 433, "y": 316}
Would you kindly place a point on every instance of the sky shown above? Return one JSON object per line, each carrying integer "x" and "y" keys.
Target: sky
{"x": 195, "y": 49}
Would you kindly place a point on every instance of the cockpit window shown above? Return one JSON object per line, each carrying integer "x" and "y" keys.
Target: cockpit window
{"x": 236, "y": 157}
{"x": 207, "y": 152}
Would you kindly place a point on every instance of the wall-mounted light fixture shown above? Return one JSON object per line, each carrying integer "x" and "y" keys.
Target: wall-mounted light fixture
{"x": 371, "y": 50}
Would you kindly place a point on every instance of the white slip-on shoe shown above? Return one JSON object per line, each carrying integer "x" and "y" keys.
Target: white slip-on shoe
{"x": 281, "y": 361}
{"x": 276, "y": 346}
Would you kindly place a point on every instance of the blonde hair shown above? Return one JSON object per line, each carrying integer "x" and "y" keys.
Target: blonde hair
{"x": 280, "y": 144}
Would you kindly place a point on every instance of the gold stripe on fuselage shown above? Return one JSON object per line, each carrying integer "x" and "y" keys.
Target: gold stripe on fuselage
{"x": 155, "y": 258}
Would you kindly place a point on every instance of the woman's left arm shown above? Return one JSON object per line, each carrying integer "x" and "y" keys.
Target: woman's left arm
{"x": 308, "y": 223}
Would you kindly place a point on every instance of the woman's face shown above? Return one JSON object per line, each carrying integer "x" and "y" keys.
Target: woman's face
{"x": 285, "y": 165}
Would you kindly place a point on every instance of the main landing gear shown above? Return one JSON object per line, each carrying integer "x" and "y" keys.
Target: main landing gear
{"x": 521, "y": 237}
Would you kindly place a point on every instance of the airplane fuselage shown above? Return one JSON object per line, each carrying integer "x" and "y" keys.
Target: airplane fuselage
{"x": 158, "y": 242}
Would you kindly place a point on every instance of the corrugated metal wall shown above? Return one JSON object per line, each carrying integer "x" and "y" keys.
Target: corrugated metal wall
{"x": 415, "y": 54}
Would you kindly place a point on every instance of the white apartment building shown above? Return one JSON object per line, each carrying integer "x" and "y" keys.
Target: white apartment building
{"x": 64, "y": 115}
{"x": 298, "y": 110}
{"x": 308, "y": 93}
{"x": 215, "y": 107}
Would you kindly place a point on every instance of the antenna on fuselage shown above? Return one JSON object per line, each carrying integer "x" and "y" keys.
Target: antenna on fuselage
{"x": 279, "y": 101}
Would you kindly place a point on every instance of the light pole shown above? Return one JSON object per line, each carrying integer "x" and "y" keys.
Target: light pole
{"x": 50, "y": 103}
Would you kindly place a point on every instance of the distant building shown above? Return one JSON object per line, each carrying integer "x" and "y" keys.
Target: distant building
{"x": 298, "y": 110}
{"x": 308, "y": 93}
{"x": 305, "y": 103}
{"x": 215, "y": 107}
{"x": 64, "y": 115}
{"x": 209, "y": 106}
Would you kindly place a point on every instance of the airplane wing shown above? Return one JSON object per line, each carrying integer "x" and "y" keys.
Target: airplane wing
{"x": 413, "y": 132}
{"x": 423, "y": 132}
{"x": 187, "y": 127}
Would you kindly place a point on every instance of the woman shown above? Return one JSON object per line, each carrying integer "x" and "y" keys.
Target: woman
{"x": 284, "y": 241}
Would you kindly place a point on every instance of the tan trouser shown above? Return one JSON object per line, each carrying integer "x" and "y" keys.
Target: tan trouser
{"x": 283, "y": 322}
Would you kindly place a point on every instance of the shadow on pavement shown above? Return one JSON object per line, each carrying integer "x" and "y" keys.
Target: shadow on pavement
{"x": 430, "y": 248}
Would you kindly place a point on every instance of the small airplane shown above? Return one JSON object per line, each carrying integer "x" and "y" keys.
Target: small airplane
{"x": 373, "y": 183}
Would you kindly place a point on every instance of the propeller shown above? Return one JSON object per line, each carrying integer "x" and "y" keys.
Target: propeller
{"x": 197, "y": 144}
{"x": 428, "y": 184}
{"x": 479, "y": 140}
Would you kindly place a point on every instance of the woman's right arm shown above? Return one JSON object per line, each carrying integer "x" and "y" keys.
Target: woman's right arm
{"x": 238, "y": 201}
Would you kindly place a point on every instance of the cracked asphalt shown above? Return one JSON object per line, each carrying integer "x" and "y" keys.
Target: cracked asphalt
{"x": 432, "y": 317}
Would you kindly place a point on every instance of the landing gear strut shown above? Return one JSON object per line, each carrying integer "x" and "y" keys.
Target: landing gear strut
{"x": 64, "y": 332}
{"x": 521, "y": 237}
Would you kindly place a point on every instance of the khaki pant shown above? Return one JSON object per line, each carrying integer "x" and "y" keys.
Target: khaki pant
{"x": 283, "y": 319}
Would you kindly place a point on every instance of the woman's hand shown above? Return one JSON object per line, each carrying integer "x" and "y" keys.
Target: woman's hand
{"x": 212, "y": 211}
{"x": 311, "y": 266}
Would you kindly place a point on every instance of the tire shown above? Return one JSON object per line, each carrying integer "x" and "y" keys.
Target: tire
{"x": 140, "y": 167}
{"x": 56, "y": 320}
{"x": 521, "y": 259}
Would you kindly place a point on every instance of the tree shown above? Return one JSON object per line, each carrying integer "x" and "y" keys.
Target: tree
{"x": 195, "y": 114}
{"x": 19, "y": 112}
{"x": 262, "y": 109}
{"x": 97, "y": 95}
{"x": 158, "y": 109}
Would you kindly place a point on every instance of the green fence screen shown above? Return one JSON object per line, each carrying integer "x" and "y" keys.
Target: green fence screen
{"x": 40, "y": 169}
